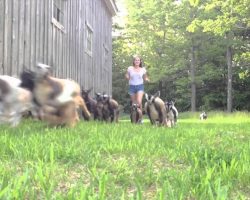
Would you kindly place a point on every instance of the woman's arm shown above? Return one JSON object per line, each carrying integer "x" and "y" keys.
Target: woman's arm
{"x": 127, "y": 76}
{"x": 145, "y": 78}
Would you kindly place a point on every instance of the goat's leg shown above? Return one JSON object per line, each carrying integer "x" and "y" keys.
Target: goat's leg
{"x": 80, "y": 103}
{"x": 116, "y": 113}
{"x": 149, "y": 115}
{"x": 66, "y": 115}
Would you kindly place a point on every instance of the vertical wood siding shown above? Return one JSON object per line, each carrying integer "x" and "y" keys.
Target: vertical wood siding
{"x": 28, "y": 36}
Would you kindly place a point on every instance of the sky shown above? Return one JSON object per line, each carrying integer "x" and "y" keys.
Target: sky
{"x": 122, "y": 12}
{"x": 120, "y": 17}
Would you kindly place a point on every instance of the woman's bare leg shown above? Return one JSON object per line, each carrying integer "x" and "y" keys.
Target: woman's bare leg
{"x": 133, "y": 98}
{"x": 139, "y": 96}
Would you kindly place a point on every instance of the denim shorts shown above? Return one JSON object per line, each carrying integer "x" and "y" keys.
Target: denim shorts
{"x": 133, "y": 89}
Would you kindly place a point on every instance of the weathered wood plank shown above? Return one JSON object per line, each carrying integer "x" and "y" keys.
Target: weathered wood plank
{"x": 21, "y": 30}
{"x": 27, "y": 29}
{"x": 46, "y": 31}
{"x": 81, "y": 49}
{"x": 50, "y": 34}
{"x": 33, "y": 33}
{"x": 7, "y": 36}
{"x": 37, "y": 57}
{"x": 2, "y": 4}
{"x": 15, "y": 36}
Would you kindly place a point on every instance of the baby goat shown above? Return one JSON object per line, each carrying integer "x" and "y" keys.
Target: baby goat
{"x": 14, "y": 100}
{"x": 110, "y": 109}
{"x": 135, "y": 113}
{"x": 107, "y": 108}
{"x": 58, "y": 99}
{"x": 172, "y": 113}
{"x": 203, "y": 116}
{"x": 155, "y": 108}
{"x": 91, "y": 104}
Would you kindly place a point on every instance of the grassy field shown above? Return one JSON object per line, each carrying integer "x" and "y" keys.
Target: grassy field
{"x": 195, "y": 160}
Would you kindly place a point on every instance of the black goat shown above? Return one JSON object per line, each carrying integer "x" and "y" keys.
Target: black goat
{"x": 91, "y": 104}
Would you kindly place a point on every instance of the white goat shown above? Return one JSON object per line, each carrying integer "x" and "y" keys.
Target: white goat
{"x": 14, "y": 100}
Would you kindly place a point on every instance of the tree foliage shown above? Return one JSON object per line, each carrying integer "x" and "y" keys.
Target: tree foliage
{"x": 163, "y": 32}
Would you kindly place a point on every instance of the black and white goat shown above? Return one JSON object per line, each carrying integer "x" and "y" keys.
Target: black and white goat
{"x": 203, "y": 116}
{"x": 14, "y": 100}
{"x": 155, "y": 108}
{"x": 172, "y": 113}
{"x": 135, "y": 113}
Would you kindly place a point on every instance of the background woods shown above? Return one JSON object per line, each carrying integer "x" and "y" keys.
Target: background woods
{"x": 196, "y": 52}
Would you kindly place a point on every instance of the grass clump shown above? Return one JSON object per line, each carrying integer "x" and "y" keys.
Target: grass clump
{"x": 195, "y": 160}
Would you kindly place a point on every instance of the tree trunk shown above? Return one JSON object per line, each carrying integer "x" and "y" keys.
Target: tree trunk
{"x": 193, "y": 85}
{"x": 229, "y": 79}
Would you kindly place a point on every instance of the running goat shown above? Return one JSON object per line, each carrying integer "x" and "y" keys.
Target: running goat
{"x": 135, "y": 113}
{"x": 91, "y": 104}
{"x": 172, "y": 113}
{"x": 203, "y": 116}
{"x": 14, "y": 100}
{"x": 58, "y": 99}
{"x": 155, "y": 108}
{"x": 107, "y": 108}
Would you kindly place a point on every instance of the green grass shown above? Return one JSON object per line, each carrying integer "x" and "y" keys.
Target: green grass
{"x": 195, "y": 160}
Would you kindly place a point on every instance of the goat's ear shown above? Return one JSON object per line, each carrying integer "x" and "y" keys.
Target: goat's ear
{"x": 146, "y": 96}
{"x": 157, "y": 94}
{"x": 89, "y": 90}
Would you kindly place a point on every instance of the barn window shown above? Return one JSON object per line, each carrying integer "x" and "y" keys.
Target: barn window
{"x": 58, "y": 13}
{"x": 89, "y": 39}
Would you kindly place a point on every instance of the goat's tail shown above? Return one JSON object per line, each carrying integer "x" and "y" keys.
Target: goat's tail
{"x": 81, "y": 104}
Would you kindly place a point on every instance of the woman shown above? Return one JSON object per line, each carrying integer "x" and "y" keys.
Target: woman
{"x": 136, "y": 75}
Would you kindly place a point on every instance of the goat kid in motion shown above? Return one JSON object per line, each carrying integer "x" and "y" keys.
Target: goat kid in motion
{"x": 203, "y": 116}
{"x": 155, "y": 108}
{"x": 172, "y": 113}
{"x": 14, "y": 100}
{"x": 58, "y": 99}
{"x": 135, "y": 113}
{"x": 107, "y": 108}
{"x": 91, "y": 104}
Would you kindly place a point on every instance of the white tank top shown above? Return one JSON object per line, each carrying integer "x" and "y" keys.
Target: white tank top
{"x": 136, "y": 77}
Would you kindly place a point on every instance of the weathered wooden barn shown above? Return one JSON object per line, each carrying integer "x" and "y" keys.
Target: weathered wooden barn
{"x": 73, "y": 36}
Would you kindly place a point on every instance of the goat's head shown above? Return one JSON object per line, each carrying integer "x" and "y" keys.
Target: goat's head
{"x": 85, "y": 93}
{"x": 151, "y": 98}
{"x": 99, "y": 97}
{"x": 42, "y": 70}
{"x": 28, "y": 79}
{"x": 134, "y": 107}
{"x": 169, "y": 105}
{"x": 105, "y": 98}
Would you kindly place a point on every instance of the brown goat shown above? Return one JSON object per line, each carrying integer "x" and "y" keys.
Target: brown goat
{"x": 61, "y": 96}
{"x": 135, "y": 113}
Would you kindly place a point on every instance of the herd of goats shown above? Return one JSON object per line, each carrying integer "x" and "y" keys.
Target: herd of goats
{"x": 63, "y": 102}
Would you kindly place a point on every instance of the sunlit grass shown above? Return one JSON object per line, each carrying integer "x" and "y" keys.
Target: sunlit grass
{"x": 195, "y": 160}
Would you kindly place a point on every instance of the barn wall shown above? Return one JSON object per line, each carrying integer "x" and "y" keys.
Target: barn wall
{"x": 28, "y": 36}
